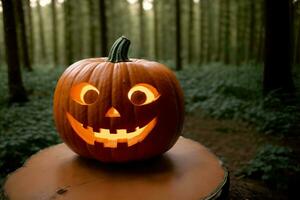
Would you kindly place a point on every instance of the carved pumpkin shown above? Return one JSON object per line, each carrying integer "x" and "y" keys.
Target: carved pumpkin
{"x": 117, "y": 109}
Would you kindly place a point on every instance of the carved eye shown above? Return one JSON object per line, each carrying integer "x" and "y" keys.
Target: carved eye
{"x": 142, "y": 94}
{"x": 84, "y": 93}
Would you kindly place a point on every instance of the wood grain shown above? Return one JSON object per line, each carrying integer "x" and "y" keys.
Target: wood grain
{"x": 188, "y": 171}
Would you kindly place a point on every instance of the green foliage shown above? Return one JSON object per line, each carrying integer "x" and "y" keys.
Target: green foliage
{"x": 229, "y": 92}
{"x": 27, "y": 128}
{"x": 272, "y": 164}
{"x": 15, "y": 149}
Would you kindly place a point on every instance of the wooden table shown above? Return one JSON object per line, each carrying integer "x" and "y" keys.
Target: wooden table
{"x": 188, "y": 171}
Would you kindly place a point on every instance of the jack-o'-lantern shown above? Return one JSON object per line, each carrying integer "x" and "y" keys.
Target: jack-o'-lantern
{"x": 117, "y": 109}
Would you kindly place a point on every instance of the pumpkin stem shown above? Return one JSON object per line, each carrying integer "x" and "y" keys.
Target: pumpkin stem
{"x": 119, "y": 50}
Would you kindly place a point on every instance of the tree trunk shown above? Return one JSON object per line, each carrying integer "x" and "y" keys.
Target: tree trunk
{"x": 278, "y": 47}
{"x": 112, "y": 19}
{"x": 156, "y": 42}
{"x": 142, "y": 47}
{"x": 226, "y": 29}
{"x": 68, "y": 32}
{"x": 92, "y": 31}
{"x": 30, "y": 30}
{"x": 17, "y": 92}
{"x": 297, "y": 46}
{"x": 261, "y": 46}
{"x": 178, "y": 35}
{"x": 297, "y": 33}
{"x": 41, "y": 32}
{"x": 103, "y": 28}
{"x": 54, "y": 33}
{"x": 259, "y": 57}
{"x": 220, "y": 31}
{"x": 241, "y": 32}
{"x": 24, "y": 44}
{"x": 210, "y": 32}
{"x": 203, "y": 31}
{"x": 253, "y": 31}
{"x": 2, "y": 47}
{"x": 191, "y": 31}
{"x": 78, "y": 30}
{"x": 163, "y": 27}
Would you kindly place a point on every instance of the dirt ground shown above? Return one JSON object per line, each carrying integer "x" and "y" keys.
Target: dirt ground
{"x": 235, "y": 144}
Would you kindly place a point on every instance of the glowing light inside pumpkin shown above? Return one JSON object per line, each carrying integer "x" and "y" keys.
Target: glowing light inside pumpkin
{"x": 78, "y": 92}
{"x": 111, "y": 140}
{"x": 112, "y": 112}
{"x": 150, "y": 92}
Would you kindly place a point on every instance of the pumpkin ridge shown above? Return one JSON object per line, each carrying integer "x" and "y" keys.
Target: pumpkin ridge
{"x": 130, "y": 73}
{"x": 69, "y": 137}
{"x": 142, "y": 67}
{"x": 86, "y": 110}
{"x": 128, "y": 78}
{"x": 100, "y": 68}
{"x": 57, "y": 98}
{"x": 106, "y": 90}
{"x": 70, "y": 107}
{"x": 168, "y": 76}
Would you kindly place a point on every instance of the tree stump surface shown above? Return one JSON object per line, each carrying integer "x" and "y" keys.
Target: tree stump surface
{"x": 188, "y": 171}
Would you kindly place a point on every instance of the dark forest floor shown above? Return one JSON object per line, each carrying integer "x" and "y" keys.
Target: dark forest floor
{"x": 235, "y": 144}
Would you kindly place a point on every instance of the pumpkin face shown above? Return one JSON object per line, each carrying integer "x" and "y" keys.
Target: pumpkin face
{"x": 115, "y": 109}
{"x": 139, "y": 95}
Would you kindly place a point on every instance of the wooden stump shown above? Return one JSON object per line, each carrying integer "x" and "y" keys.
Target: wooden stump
{"x": 188, "y": 171}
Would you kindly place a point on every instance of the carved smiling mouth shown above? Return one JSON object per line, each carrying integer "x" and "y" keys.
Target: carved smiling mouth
{"x": 111, "y": 140}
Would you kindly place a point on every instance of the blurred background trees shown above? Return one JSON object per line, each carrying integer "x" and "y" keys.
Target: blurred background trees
{"x": 181, "y": 33}
{"x": 61, "y": 31}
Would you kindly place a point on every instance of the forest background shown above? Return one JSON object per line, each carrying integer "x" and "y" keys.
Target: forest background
{"x": 237, "y": 61}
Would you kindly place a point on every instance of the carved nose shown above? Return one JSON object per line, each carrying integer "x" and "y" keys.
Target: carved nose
{"x": 112, "y": 112}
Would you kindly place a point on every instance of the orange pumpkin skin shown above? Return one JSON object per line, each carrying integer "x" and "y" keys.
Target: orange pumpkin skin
{"x": 114, "y": 80}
